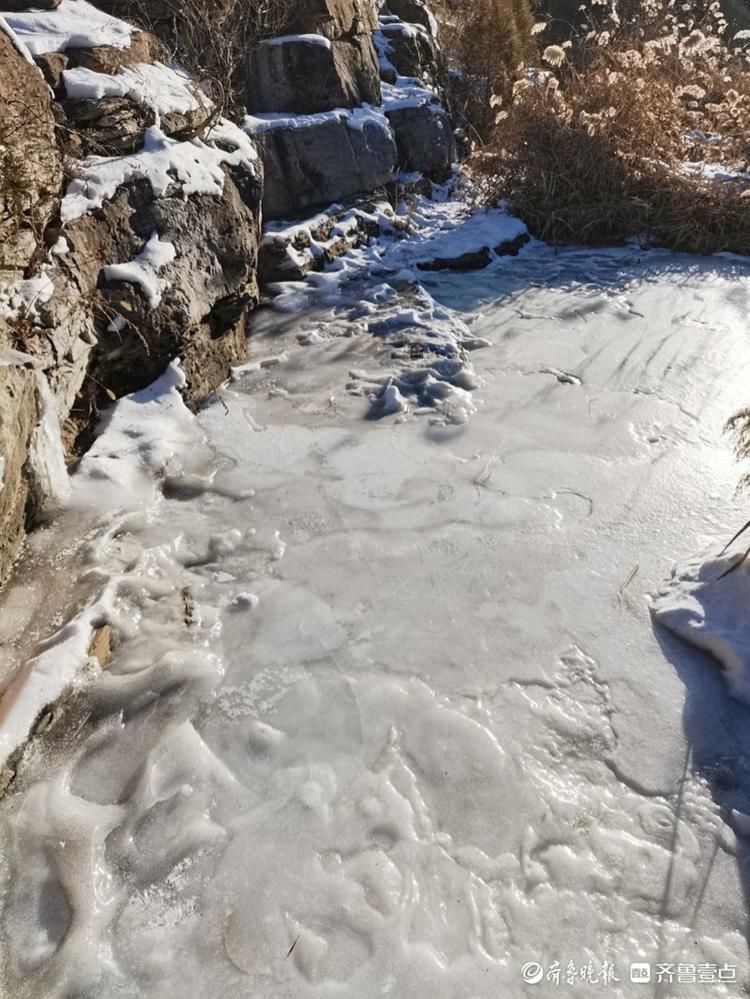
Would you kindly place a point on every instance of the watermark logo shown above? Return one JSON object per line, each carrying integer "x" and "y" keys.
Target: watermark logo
{"x": 532, "y": 972}
{"x": 641, "y": 973}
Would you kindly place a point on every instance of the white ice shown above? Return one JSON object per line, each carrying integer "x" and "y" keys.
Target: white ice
{"x": 387, "y": 714}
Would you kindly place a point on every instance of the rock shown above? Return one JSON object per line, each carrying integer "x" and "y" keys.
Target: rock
{"x": 16, "y": 6}
{"x": 330, "y": 160}
{"x": 333, "y": 18}
{"x": 306, "y": 76}
{"x": 413, "y": 12}
{"x": 115, "y": 126}
{"x": 210, "y": 286}
{"x": 108, "y": 126}
{"x": 424, "y": 138}
{"x": 290, "y": 253}
{"x": 512, "y": 247}
{"x": 30, "y": 163}
{"x": 144, "y": 48}
{"x": 52, "y": 65}
{"x": 412, "y": 51}
{"x": 100, "y": 647}
{"x": 18, "y": 417}
{"x": 472, "y": 260}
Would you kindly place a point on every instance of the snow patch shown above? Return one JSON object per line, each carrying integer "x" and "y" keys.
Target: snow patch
{"x": 75, "y": 24}
{"x": 193, "y": 167}
{"x": 356, "y": 118}
{"x": 162, "y": 88}
{"x": 144, "y": 269}
{"x": 23, "y": 298}
{"x": 319, "y": 40}
{"x": 711, "y": 612}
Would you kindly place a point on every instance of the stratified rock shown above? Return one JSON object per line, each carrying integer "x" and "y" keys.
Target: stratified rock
{"x": 310, "y": 73}
{"x": 144, "y": 48}
{"x": 30, "y": 163}
{"x": 107, "y": 126}
{"x": 333, "y": 18}
{"x": 332, "y": 158}
{"x": 210, "y": 286}
{"x": 18, "y": 417}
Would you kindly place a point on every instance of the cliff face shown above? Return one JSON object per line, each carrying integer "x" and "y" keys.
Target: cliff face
{"x": 130, "y": 211}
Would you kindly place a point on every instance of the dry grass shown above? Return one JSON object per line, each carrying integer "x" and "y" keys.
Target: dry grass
{"x": 18, "y": 208}
{"x": 486, "y": 43}
{"x": 609, "y": 140}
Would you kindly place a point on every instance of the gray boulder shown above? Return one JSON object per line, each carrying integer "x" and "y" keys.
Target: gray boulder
{"x": 411, "y": 50}
{"x": 424, "y": 139}
{"x": 311, "y": 73}
{"x": 413, "y": 12}
{"x": 329, "y": 160}
{"x": 210, "y": 286}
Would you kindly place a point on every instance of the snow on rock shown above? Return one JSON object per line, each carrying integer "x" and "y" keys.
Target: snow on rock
{"x": 711, "y": 613}
{"x": 74, "y": 24}
{"x": 59, "y": 665}
{"x": 431, "y": 345}
{"x": 139, "y": 442}
{"x": 144, "y": 269}
{"x": 193, "y": 167}
{"x": 46, "y": 458}
{"x": 464, "y": 233}
{"x": 154, "y": 85}
{"x": 320, "y": 40}
{"x": 355, "y": 118}
{"x": 23, "y": 297}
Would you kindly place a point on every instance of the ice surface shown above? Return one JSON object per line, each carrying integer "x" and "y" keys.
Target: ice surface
{"x": 386, "y": 713}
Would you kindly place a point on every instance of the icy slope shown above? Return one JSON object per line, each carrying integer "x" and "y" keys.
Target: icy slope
{"x": 386, "y": 714}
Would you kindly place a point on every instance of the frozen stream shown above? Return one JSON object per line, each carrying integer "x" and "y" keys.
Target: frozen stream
{"x": 387, "y": 715}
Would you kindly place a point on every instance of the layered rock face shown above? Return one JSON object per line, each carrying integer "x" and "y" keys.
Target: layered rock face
{"x": 147, "y": 254}
{"x": 317, "y": 75}
{"x": 412, "y": 73}
{"x": 330, "y": 129}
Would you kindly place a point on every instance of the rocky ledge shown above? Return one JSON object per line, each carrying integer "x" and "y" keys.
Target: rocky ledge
{"x": 130, "y": 229}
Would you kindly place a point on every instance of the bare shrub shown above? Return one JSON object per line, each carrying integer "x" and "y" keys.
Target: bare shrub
{"x": 612, "y": 138}
{"x": 486, "y": 43}
{"x": 211, "y": 38}
{"x": 19, "y": 205}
